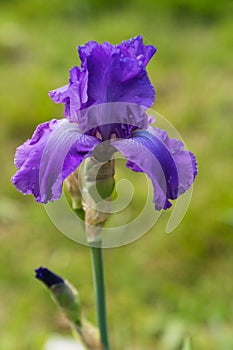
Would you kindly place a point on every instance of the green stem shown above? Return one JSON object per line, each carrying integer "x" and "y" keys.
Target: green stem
{"x": 98, "y": 276}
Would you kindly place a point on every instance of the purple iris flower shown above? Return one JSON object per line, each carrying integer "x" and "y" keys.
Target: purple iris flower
{"x": 105, "y": 104}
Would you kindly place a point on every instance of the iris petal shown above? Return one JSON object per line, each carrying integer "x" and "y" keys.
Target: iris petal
{"x": 170, "y": 168}
{"x": 113, "y": 118}
{"x": 108, "y": 74}
{"x": 135, "y": 48}
{"x": 186, "y": 163}
{"x": 116, "y": 77}
{"x": 73, "y": 95}
{"x": 55, "y": 150}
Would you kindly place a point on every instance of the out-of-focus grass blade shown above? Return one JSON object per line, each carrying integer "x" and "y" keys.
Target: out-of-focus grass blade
{"x": 187, "y": 344}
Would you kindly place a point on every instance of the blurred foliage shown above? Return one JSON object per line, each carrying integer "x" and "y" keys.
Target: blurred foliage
{"x": 199, "y": 9}
{"x": 162, "y": 287}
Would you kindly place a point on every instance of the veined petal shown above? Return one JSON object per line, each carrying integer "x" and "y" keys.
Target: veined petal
{"x": 27, "y": 159}
{"x": 108, "y": 119}
{"x": 185, "y": 160}
{"x": 113, "y": 77}
{"x": 118, "y": 73}
{"x": 170, "y": 168}
{"x": 108, "y": 74}
{"x": 55, "y": 150}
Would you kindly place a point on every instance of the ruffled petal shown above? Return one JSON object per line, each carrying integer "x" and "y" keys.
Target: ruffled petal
{"x": 135, "y": 48}
{"x": 108, "y": 74}
{"x": 27, "y": 159}
{"x": 117, "y": 73}
{"x": 171, "y": 169}
{"x": 55, "y": 150}
{"x": 85, "y": 51}
{"x": 185, "y": 160}
{"x": 73, "y": 95}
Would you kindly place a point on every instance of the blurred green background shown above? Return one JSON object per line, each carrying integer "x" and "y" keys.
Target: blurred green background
{"x": 162, "y": 286}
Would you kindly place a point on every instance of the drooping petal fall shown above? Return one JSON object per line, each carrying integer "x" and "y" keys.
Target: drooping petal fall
{"x": 161, "y": 161}
{"x": 55, "y": 150}
{"x": 185, "y": 160}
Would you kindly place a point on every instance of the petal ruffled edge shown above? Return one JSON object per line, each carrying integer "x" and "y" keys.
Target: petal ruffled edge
{"x": 114, "y": 77}
{"x": 27, "y": 159}
{"x": 54, "y": 152}
{"x": 185, "y": 160}
{"x": 73, "y": 95}
{"x": 146, "y": 154}
{"x": 108, "y": 73}
{"x": 133, "y": 48}
{"x": 171, "y": 169}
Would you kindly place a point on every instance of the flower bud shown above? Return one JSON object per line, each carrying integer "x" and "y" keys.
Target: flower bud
{"x": 67, "y": 299}
{"x": 63, "y": 293}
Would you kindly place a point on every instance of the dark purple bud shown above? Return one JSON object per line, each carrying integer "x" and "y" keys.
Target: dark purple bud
{"x": 49, "y": 278}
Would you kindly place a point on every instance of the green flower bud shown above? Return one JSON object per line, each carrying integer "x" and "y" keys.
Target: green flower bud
{"x": 67, "y": 299}
{"x": 63, "y": 293}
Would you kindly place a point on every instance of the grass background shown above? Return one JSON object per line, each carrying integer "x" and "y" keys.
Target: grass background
{"x": 162, "y": 286}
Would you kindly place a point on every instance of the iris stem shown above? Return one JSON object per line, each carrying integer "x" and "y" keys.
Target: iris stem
{"x": 98, "y": 278}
